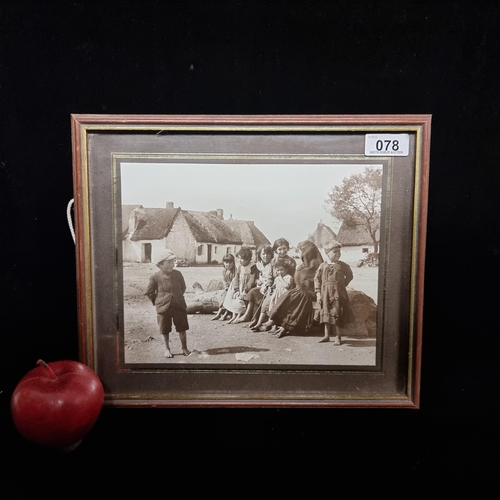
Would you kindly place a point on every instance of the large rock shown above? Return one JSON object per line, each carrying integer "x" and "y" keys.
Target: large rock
{"x": 365, "y": 315}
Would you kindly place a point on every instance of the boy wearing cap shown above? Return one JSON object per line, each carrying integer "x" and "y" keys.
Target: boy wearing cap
{"x": 330, "y": 282}
{"x": 166, "y": 291}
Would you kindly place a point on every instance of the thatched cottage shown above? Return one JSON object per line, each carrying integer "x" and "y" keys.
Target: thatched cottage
{"x": 197, "y": 237}
{"x": 356, "y": 242}
{"x": 321, "y": 235}
{"x": 248, "y": 233}
{"x": 126, "y": 211}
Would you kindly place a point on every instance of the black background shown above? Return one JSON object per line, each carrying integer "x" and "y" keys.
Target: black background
{"x": 315, "y": 57}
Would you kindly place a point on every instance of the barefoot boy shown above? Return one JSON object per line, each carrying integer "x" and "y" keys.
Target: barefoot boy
{"x": 166, "y": 291}
{"x": 330, "y": 284}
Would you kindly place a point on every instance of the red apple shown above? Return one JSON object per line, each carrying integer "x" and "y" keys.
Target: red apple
{"x": 56, "y": 404}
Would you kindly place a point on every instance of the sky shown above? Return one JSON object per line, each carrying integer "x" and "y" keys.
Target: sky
{"x": 284, "y": 201}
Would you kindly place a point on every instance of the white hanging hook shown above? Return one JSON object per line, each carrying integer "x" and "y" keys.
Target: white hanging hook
{"x": 70, "y": 219}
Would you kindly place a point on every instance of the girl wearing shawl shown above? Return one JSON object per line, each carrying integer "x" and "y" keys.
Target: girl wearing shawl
{"x": 294, "y": 310}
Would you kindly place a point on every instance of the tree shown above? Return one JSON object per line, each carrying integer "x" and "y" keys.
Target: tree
{"x": 357, "y": 202}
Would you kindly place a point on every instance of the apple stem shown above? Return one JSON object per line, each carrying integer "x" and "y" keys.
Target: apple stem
{"x": 40, "y": 362}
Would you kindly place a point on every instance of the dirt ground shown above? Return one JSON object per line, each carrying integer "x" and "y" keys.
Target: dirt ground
{"x": 216, "y": 342}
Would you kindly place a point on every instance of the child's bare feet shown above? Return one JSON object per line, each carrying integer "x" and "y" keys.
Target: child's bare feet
{"x": 337, "y": 341}
{"x": 280, "y": 332}
{"x": 216, "y": 317}
{"x": 168, "y": 354}
{"x": 255, "y": 328}
{"x": 326, "y": 338}
{"x": 186, "y": 351}
{"x": 241, "y": 319}
{"x": 236, "y": 319}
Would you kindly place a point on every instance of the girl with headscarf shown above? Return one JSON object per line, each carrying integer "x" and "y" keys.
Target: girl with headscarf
{"x": 293, "y": 311}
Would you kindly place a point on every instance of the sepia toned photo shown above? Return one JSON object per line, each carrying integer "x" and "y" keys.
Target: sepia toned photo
{"x": 265, "y": 264}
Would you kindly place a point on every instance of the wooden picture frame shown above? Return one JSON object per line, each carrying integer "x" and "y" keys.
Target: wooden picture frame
{"x": 227, "y": 182}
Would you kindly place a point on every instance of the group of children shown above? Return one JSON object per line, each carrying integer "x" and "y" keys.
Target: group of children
{"x": 272, "y": 294}
{"x": 252, "y": 289}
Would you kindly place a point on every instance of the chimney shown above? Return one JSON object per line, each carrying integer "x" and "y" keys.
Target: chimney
{"x": 170, "y": 204}
{"x": 220, "y": 214}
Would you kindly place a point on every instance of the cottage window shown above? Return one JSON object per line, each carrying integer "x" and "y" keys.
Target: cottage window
{"x": 215, "y": 249}
{"x": 200, "y": 249}
{"x": 364, "y": 250}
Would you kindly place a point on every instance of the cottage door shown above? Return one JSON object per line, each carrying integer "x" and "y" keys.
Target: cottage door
{"x": 146, "y": 253}
{"x": 209, "y": 254}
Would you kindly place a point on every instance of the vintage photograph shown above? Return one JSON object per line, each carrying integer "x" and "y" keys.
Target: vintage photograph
{"x": 251, "y": 260}
{"x": 250, "y": 263}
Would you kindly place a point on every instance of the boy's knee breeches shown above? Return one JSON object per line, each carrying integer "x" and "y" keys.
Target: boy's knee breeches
{"x": 177, "y": 316}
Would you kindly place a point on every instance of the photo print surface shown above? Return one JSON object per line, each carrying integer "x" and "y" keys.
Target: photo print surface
{"x": 250, "y": 264}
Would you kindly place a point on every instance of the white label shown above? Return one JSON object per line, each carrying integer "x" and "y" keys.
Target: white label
{"x": 387, "y": 144}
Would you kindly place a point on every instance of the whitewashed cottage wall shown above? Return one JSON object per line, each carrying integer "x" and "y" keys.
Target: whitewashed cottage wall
{"x": 181, "y": 241}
